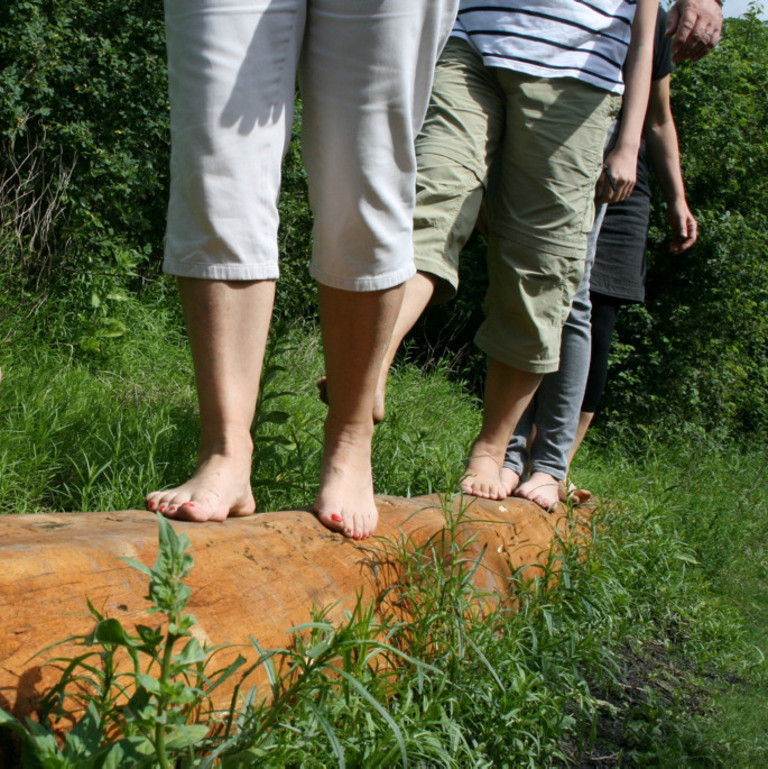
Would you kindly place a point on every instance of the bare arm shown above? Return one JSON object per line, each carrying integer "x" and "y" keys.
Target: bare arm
{"x": 617, "y": 182}
{"x": 696, "y": 26}
{"x": 664, "y": 153}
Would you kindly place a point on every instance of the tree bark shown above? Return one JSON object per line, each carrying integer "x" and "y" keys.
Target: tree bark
{"x": 254, "y": 576}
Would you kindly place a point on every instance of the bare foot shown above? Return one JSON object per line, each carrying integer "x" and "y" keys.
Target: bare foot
{"x": 541, "y": 488}
{"x": 510, "y": 480}
{"x": 570, "y": 492}
{"x": 483, "y": 476}
{"x": 378, "y": 398}
{"x": 220, "y": 487}
{"x": 345, "y": 502}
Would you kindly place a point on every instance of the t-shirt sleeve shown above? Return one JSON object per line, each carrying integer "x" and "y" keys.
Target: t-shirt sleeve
{"x": 662, "y": 49}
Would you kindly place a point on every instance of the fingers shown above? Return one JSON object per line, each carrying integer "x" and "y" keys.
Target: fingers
{"x": 673, "y": 19}
{"x": 685, "y": 236}
{"x": 603, "y": 190}
{"x": 612, "y": 189}
{"x": 696, "y": 26}
{"x": 619, "y": 175}
{"x": 625, "y": 190}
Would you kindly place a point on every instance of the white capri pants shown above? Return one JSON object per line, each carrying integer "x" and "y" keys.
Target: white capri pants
{"x": 365, "y": 68}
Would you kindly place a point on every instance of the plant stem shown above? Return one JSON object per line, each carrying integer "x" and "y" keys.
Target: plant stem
{"x": 160, "y": 724}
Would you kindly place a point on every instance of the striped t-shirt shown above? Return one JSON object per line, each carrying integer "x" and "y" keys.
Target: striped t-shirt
{"x": 584, "y": 39}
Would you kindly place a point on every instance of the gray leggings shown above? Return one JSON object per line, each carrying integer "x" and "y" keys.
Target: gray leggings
{"x": 557, "y": 403}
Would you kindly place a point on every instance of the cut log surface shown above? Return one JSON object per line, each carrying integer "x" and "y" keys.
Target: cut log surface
{"x": 256, "y": 576}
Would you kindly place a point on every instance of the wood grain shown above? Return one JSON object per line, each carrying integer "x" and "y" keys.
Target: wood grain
{"x": 255, "y": 576}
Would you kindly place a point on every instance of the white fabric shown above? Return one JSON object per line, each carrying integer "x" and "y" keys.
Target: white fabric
{"x": 366, "y": 72}
{"x": 552, "y": 38}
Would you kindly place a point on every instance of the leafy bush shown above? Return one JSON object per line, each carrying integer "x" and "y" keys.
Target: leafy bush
{"x": 84, "y": 148}
{"x": 699, "y": 350}
{"x": 83, "y": 129}
{"x": 87, "y": 82}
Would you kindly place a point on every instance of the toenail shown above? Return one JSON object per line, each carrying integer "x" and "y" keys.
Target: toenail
{"x": 171, "y": 509}
{"x": 349, "y": 532}
{"x": 336, "y": 517}
{"x": 162, "y": 508}
{"x": 152, "y": 505}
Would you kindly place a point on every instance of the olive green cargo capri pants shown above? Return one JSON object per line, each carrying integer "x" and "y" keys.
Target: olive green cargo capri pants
{"x": 544, "y": 140}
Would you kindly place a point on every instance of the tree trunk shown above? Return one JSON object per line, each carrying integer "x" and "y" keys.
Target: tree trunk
{"x": 254, "y": 576}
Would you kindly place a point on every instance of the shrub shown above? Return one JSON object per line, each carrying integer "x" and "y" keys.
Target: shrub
{"x": 700, "y": 349}
{"x": 87, "y": 83}
{"x": 84, "y": 116}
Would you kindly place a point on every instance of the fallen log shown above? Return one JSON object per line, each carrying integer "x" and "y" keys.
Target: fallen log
{"x": 252, "y": 576}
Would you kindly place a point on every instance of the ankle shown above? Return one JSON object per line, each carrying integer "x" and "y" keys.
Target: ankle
{"x": 482, "y": 449}
{"x": 229, "y": 446}
{"x": 349, "y": 428}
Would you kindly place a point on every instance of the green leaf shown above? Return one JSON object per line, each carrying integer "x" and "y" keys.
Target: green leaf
{"x": 152, "y": 685}
{"x": 150, "y": 636}
{"x": 686, "y": 558}
{"x": 110, "y": 631}
{"x": 368, "y": 697}
{"x": 138, "y": 565}
{"x": 94, "y": 613}
{"x": 86, "y": 735}
{"x": 7, "y": 720}
{"x": 272, "y": 417}
{"x": 318, "y": 649}
{"x": 185, "y": 736}
{"x": 328, "y": 729}
{"x": 191, "y": 653}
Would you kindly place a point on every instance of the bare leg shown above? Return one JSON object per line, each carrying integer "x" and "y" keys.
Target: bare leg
{"x": 571, "y": 492}
{"x": 357, "y": 327}
{"x": 418, "y": 294}
{"x": 508, "y": 391}
{"x": 585, "y": 420}
{"x": 227, "y": 323}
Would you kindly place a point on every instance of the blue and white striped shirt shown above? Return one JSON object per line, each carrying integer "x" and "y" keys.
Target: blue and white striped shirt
{"x": 586, "y": 40}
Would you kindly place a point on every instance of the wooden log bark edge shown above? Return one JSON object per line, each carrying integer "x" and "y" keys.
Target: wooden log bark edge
{"x": 255, "y": 576}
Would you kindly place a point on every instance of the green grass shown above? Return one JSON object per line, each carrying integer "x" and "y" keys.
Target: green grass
{"x": 740, "y": 697}
{"x": 713, "y": 613}
{"x": 85, "y": 431}
{"x": 649, "y": 652}
{"x": 740, "y": 692}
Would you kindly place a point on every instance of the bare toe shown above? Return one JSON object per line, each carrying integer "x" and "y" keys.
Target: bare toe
{"x": 219, "y": 488}
{"x": 483, "y": 477}
{"x": 574, "y": 494}
{"x": 541, "y": 488}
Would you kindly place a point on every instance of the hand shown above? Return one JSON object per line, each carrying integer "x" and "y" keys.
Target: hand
{"x": 685, "y": 229}
{"x": 696, "y": 26}
{"x": 618, "y": 178}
